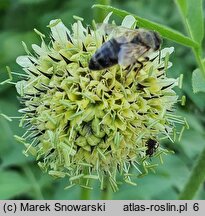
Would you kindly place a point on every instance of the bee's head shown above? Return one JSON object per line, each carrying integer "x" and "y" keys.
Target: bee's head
{"x": 150, "y": 39}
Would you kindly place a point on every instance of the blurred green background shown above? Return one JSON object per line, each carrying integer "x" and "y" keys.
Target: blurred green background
{"x": 20, "y": 177}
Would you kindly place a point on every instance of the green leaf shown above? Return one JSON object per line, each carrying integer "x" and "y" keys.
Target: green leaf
{"x": 163, "y": 30}
{"x": 31, "y": 1}
{"x": 100, "y": 15}
{"x": 12, "y": 184}
{"x": 14, "y": 156}
{"x": 61, "y": 193}
{"x": 196, "y": 179}
{"x": 144, "y": 189}
{"x": 190, "y": 138}
{"x": 192, "y": 13}
{"x": 5, "y": 134}
{"x": 198, "y": 81}
{"x": 182, "y": 6}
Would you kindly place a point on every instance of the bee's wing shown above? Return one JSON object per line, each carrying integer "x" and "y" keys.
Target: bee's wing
{"x": 106, "y": 28}
{"x": 112, "y": 29}
{"x": 129, "y": 53}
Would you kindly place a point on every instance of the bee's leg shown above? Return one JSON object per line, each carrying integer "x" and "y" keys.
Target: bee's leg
{"x": 129, "y": 69}
{"x": 137, "y": 69}
{"x": 159, "y": 56}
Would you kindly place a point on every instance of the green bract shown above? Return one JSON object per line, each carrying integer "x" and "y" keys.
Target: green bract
{"x": 86, "y": 124}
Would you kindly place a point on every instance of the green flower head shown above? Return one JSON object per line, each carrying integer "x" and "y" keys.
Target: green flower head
{"x": 85, "y": 124}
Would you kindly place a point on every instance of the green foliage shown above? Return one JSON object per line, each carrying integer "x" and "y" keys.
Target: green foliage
{"x": 21, "y": 178}
{"x": 192, "y": 13}
{"x": 12, "y": 184}
{"x": 196, "y": 178}
{"x": 198, "y": 81}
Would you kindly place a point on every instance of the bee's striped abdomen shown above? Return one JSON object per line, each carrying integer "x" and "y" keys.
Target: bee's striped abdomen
{"x": 106, "y": 56}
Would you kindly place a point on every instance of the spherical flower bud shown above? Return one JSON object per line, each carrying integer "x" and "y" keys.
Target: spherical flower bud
{"x": 85, "y": 124}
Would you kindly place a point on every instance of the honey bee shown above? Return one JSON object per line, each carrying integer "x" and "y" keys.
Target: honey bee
{"x": 125, "y": 48}
{"x": 152, "y": 146}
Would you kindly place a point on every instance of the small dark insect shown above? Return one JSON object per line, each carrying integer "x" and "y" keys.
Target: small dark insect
{"x": 152, "y": 146}
{"x": 125, "y": 48}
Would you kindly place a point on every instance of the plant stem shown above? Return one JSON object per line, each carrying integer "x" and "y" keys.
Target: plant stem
{"x": 99, "y": 14}
{"x": 85, "y": 194}
{"x": 106, "y": 193}
{"x": 196, "y": 179}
